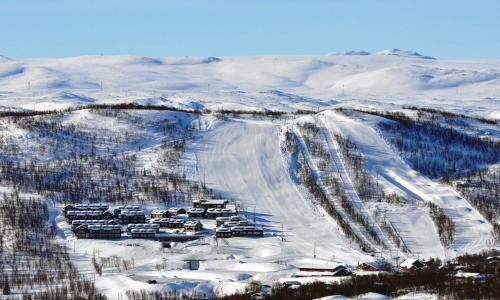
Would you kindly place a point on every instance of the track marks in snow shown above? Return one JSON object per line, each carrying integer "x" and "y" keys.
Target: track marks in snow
{"x": 242, "y": 159}
{"x": 473, "y": 232}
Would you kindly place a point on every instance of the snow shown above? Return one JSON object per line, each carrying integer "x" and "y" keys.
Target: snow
{"x": 368, "y": 296}
{"x": 473, "y": 232}
{"x": 410, "y": 222}
{"x": 241, "y": 158}
{"x": 352, "y": 78}
{"x": 250, "y": 169}
{"x": 376, "y": 296}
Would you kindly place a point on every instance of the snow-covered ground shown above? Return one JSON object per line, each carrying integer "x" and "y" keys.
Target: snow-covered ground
{"x": 473, "y": 232}
{"x": 240, "y": 158}
{"x": 386, "y": 78}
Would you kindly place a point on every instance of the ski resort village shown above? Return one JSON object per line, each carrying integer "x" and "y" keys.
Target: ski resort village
{"x": 371, "y": 175}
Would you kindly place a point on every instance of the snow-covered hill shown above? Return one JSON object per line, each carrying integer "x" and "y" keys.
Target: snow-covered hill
{"x": 245, "y": 157}
{"x": 352, "y": 78}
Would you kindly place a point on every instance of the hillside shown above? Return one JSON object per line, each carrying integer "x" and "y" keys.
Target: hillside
{"x": 315, "y": 154}
{"x": 352, "y": 78}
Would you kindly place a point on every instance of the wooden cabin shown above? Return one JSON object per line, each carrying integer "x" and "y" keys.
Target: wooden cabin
{"x": 411, "y": 264}
{"x": 84, "y": 215}
{"x": 219, "y": 221}
{"x": 155, "y": 227}
{"x": 169, "y": 222}
{"x": 223, "y": 232}
{"x": 98, "y": 231}
{"x": 175, "y": 211}
{"x": 319, "y": 271}
{"x": 246, "y": 231}
{"x": 196, "y": 212}
{"x": 193, "y": 226}
{"x": 175, "y": 223}
{"x": 67, "y": 208}
{"x": 236, "y": 220}
{"x": 132, "y": 217}
{"x": 107, "y": 215}
{"x": 117, "y": 211}
{"x": 160, "y": 213}
{"x": 77, "y": 223}
{"x": 209, "y": 203}
{"x": 493, "y": 260}
{"x": 85, "y": 207}
{"x": 213, "y": 213}
{"x": 230, "y": 224}
{"x": 379, "y": 265}
{"x": 163, "y": 222}
{"x": 142, "y": 233}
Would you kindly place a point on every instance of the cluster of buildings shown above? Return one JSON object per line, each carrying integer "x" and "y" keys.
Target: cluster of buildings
{"x": 236, "y": 226}
{"x": 96, "y": 221}
{"x": 99, "y": 221}
{"x": 408, "y": 265}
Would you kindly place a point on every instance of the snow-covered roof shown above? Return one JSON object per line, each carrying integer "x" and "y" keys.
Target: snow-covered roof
{"x": 192, "y": 209}
{"x": 470, "y": 275}
{"x": 143, "y": 231}
{"x": 104, "y": 227}
{"x": 410, "y": 262}
{"x": 147, "y": 225}
{"x": 87, "y": 222}
{"x": 83, "y": 213}
{"x": 132, "y": 212}
{"x": 192, "y": 223}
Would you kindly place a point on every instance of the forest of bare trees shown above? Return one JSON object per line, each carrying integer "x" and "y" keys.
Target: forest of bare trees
{"x": 67, "y": 162}
{"x": 30, "y": 257}
{"x": 437, "y": 278}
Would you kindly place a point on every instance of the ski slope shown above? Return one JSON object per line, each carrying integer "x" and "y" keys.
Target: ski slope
{"x": 473, "y": 232}
{"x": 242, "y": 159}
{"x": 356, "y": 228}
{"x": 348, "y": 185}
{"x": 415, "y": 227}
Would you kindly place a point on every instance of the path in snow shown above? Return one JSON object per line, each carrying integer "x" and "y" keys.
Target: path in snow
{"x": 472, "y": 231}
{"x": 242, "y": 159}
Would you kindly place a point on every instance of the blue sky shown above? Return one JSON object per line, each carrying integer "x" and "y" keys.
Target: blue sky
{"x": 53, "y": 28}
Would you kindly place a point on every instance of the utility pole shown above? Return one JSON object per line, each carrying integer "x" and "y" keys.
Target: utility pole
{"x": 254, "y": 209}
{"x": 29, "y": 85}
{"x": 343, "y": 91}
{"x": 282, "y": 239}
{"x": 101, "y": 85}
{"x": 314, "y": 250}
